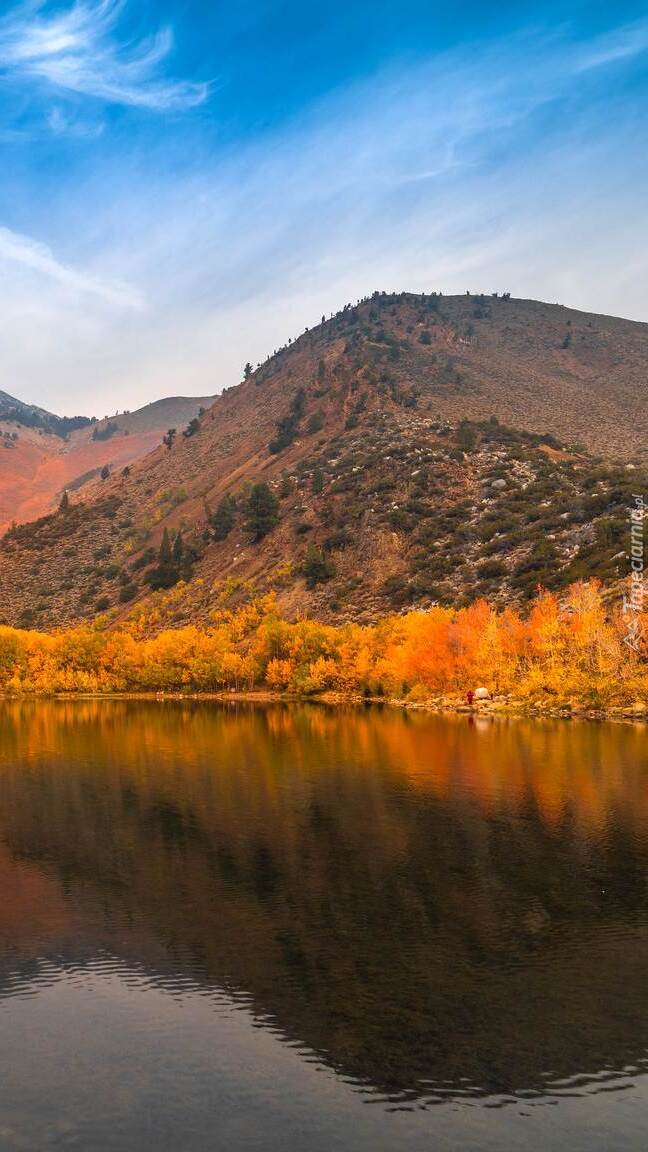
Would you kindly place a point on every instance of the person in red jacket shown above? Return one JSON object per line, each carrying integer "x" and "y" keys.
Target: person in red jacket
{"x": 470, "y": 696}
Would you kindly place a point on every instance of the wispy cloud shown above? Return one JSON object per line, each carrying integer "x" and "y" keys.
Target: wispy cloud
{"x": 79, "y": 50}
{"x": 38, "y": 258}
{"x": 621, "y": 44}
{"x": 60, "y": 123}
{"x": 493, "y": 166}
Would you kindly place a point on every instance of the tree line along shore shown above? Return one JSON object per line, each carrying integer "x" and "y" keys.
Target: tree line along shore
{"x": 576, "y": 652}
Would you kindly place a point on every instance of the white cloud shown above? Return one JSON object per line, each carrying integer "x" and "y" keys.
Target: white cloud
{"x": 480, "y": 170}
{"x": 621, "y": 44}
{"x": 36, "y": 257}
{"x": 60, "y": 123}
{"x": 77, "y": 50}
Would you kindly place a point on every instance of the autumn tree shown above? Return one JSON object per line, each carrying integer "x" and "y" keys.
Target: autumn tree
{"x": 569, "y": 651}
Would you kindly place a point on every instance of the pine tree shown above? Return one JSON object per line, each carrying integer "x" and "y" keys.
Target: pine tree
{"x": 178, "y": 550}
{"x": 222, "y": 520}
{"x": 262, "y": 511}
{"x": 316, "y": 568}
{"x": 466, "y": 436}
{"x": 165, "y": 573}
{"x": 65, "y": 502}
{"x": 164, "y": 555}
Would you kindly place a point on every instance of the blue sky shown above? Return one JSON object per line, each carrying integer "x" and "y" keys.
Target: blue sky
{"x": 184, "y": 185}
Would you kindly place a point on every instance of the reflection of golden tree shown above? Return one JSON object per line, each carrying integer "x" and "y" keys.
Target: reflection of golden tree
{"x": 436, "y": 757}
{"x": 344, "y": 868}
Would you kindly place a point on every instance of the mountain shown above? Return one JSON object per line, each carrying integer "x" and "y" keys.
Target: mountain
{"x": 420, "y": 448}
{"x": 30, "y": 416}
{"x": 42, "y": 454}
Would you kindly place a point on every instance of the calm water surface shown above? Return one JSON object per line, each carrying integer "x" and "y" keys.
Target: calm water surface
{"x": 298, "y": 929}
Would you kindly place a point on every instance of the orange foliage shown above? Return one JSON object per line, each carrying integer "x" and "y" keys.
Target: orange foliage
{"x": 566, "y": 650}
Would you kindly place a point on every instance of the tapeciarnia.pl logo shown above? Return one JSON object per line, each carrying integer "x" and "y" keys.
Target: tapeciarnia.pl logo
{"x": 633, "y": 601}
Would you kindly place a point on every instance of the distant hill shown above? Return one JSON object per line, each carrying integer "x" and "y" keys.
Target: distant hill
{"x": 42, "y": 454}
{"x": 421, "y": 449}
{"x": 30, "y": 416}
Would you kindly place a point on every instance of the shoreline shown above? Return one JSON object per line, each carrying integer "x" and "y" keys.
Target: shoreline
{"x": 443, "y": 705}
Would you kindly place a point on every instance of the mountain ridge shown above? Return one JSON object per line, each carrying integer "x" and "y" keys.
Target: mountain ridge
{"x": 44, "y": 454}
{"x": 422, "y": 448}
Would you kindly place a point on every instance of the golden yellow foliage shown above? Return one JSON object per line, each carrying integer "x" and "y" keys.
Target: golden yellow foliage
{"x": 568, "y": 650}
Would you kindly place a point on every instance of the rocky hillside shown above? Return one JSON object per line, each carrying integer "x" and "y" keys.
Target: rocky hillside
{"x": 415, "y": 449}
{"x": 42, "y": 454}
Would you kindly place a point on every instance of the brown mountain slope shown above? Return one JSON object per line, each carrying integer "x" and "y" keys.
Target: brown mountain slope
{"x": 36, "y": 464}
{"x": 401, "y": 502}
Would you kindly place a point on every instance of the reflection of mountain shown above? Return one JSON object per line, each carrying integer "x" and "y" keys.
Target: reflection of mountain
{"x": 419, "y": 901}
{"x": 33, "y": 908}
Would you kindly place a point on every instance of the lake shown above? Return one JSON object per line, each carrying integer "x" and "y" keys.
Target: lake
{"x": 280, "y": 927}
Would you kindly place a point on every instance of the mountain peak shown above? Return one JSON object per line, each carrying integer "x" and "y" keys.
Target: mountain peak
{"x": 411, "y": 449}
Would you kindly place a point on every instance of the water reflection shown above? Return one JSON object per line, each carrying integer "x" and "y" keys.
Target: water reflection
{"x": 437, "y": 911}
